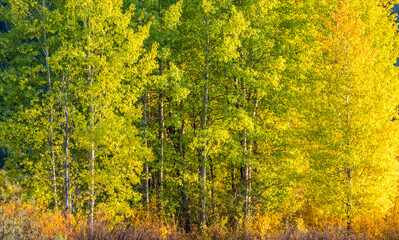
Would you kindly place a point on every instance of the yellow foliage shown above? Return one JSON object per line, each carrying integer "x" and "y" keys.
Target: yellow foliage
{"x": 35, "y": 222}
{"x": 262, "y": 224}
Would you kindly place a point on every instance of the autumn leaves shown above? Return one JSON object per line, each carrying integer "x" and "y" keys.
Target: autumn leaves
{"x": 212, "y": 110}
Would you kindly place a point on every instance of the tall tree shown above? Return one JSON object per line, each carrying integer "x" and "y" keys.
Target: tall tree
{"x": 27, "y": 91}
{"x": 51, "y": 112}
{"x": 105, "y": 55}
{"x": 211, "y": 36}
{"x": 348, "y": 118}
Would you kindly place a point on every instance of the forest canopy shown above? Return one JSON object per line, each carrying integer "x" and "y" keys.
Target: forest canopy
{"x": 243, "y": 115}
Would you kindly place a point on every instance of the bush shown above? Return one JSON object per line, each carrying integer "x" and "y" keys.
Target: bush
{"x": 23, "y": 221}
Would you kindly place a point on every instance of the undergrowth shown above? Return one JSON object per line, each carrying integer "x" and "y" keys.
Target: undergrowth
{"x": 20, "y": 220}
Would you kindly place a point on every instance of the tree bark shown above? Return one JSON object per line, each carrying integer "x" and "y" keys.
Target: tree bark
{"x": 203, "y": 157}
{"x": 66, "y": 112}
{"x": 211, "y": 165}
{"x": 249, "y": 166}
{"x": 348, "y": 168}
{"x": 91, "y": 153}
{"x": 51, "y": 118}
{"x": 144, "y": 181}
{"x": 186, "y": 213}
{"x": 161, "y": 137}
{"x": 92, "y": 157}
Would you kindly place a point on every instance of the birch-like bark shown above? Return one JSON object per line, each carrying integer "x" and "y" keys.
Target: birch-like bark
{"x": 92, "y": 156}
{"x": 184, "y": 199}
{"x": 203, "y": 157}
{"x": 51, "y": 118}
{"x": 66, "y": 142}
{"x": 91, "y": 153}
{"x": 161, "y": 136}
{"x": 249, "y": 173}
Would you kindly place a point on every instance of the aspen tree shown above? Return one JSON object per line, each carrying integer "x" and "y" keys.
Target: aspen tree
{"x": 27, "y": 90}
{"x": 354, "y": 99}
{"x": 102, "y": 51}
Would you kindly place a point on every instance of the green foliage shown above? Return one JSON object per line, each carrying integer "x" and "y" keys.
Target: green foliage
{"x": 282, "y": 105}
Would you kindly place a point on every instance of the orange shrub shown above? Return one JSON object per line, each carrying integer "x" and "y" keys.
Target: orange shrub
{"x": 24, "y": 220}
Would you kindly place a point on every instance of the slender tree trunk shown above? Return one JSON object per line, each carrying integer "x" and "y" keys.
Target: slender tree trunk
{"x": 233, "y": 219}
{"x": 233, "y": 181}
{"x": 53, "y": 163}
{"x": 66, "y": 112}
{"x": 64, "y": 103}
{"x": 161, "y": 137}
{"x": 245, "y": 170}
{"x": 203, "y": 158}
{"x": 234, "y": 195}
{"x": 92, "y": 157}
{"x": 244, "y": 175}
{"x": 144, "y": 181}
{"x": 348, "y": 168}
{"x": 186, "y": 214}
{"x": 51, "y": 120}
{"x": 211, "y": 165}
{"x": 249, "y": 166}
{"x": 348, "y": 172}
{"x": 91, "y": 153}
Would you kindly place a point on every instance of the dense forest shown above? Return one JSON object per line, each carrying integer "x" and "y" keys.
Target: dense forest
{"x": 199, "y": 119}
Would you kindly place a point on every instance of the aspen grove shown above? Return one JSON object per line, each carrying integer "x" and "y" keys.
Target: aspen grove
{"x": 199, "y": 119}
